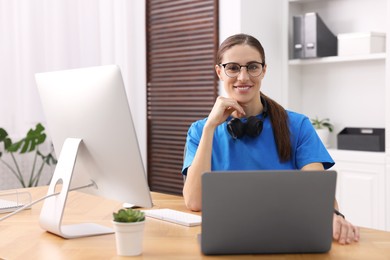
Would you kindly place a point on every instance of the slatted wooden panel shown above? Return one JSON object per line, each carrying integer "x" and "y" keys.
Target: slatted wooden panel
{"x": 182, "y": 40}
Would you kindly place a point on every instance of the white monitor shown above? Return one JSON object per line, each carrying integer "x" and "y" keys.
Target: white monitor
{"x": 90, "y": 124}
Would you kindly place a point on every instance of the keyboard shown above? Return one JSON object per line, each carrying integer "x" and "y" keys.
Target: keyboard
{"x": 7, "y": 206}
{"x": 174, "y": 216}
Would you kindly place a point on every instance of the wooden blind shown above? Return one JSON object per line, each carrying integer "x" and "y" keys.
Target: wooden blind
{"x": 182, "y": 40}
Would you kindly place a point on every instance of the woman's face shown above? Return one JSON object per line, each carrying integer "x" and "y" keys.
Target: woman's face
{"x": 244, "y": 88}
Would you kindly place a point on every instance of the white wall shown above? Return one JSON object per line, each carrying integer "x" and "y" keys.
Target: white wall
{"x": 263, "y": 21}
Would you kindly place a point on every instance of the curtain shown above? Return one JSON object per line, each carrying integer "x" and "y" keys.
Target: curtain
{"x": 182, "y": 39}
{"x": 45, "y": 35}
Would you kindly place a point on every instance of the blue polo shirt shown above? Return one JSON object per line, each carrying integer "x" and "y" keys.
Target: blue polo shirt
{"x": 259, "y": 153}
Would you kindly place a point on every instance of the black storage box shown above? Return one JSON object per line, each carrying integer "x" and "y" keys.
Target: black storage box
{"x": 362, "y": 139}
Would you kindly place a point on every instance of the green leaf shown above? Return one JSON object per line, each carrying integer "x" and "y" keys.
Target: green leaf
{"x": 33, "y": 138}
{"x": 5, "y": 139}
{"x": 49, "y": 159}
{"x": 13, "y": 147}
{"x": 3, "y": 134}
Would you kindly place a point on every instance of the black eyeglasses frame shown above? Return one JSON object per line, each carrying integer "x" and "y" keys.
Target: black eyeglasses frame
{"x": 241, "y": 66}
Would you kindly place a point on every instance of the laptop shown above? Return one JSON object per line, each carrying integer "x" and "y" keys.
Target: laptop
{"x": 267, "y": 212}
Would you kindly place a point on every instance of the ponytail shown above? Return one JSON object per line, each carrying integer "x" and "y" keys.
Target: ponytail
{"x": 279, "y": 122}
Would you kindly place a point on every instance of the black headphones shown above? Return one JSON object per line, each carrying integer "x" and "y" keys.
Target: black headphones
{"x": 252, "y": 127}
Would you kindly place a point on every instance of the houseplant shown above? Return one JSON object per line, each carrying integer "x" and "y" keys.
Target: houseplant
{"x": 28, "y": 144}
{"x": 323, "y": 128}
{"x": 129, "y": 229}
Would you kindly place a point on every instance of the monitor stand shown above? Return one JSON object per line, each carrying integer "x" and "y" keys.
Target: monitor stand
{"x": 54, "y": 206}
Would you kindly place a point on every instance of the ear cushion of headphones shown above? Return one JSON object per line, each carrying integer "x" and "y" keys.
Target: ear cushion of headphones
{"x": 236, "y": 128}
{"x": 254, "y": 126}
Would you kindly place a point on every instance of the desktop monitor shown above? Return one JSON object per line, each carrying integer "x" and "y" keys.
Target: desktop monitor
{"x": 90, "y": 123}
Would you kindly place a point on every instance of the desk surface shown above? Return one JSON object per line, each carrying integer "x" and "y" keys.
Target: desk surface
{"x": 22, "y": 238}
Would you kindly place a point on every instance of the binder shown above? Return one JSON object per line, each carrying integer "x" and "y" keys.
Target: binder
{"x": 312, "y": 38}
{"x": 319, "y": 40}
{"x": 299, "y": 37}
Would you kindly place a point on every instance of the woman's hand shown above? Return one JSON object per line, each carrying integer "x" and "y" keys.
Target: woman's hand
{"x": 222, "y": 109}
{"x": 343, "y": 231}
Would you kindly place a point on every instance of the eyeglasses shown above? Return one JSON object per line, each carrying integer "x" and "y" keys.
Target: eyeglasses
{"x": 232, "y": 69}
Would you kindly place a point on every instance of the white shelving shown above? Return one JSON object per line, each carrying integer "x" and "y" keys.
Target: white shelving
{"x": 353, "y": 91}
{"x": 303, "y": 1}
{"x": 336, "y": 59}
{"x": 353, "y": 82}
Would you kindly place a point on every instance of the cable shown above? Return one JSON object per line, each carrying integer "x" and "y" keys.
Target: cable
{"x": 43, "y": 198}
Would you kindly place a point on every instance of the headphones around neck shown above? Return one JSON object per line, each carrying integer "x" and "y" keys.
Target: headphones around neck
{"x": 252, "y": 127}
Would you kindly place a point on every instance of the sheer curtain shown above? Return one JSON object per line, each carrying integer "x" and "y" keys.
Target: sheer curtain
{"x": 46, "y": 35}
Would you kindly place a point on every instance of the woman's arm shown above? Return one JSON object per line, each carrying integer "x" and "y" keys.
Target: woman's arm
{"x": 192, "y": 189}
{"x": 201, "y": 164}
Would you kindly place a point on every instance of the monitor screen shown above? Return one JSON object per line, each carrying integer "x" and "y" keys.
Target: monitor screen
{"x": 88, "y": 110}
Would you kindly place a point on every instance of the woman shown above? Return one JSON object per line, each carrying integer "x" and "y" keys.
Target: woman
{"x": 247, "y": 130}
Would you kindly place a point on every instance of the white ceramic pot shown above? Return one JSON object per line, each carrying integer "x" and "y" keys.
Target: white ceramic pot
{"x": 323, "y": 133}
{"x": 129, "y": 238}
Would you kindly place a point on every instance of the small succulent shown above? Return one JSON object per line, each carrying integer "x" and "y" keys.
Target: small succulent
{"x": 129, "y": 215}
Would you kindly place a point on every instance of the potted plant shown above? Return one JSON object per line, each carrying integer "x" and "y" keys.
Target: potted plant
{"x": 129, "y": 230}
{"x": 323, "y": 128}
{"x": 28, "y": 144}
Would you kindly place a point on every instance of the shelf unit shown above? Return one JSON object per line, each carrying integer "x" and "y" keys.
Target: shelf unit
{"x": 355, "y": 82}
{"x": 353, "y": 91}
{"x": 337, "y": 59}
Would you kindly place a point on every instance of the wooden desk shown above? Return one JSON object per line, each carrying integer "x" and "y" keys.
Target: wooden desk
{"x": 22, "y": 238}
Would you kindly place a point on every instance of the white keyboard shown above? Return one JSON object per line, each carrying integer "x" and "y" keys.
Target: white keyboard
{"x": 174, "y": 216}
{"x": 8, "y": 206}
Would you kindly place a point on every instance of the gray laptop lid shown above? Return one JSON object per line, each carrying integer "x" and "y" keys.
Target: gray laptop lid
{"x": 255, "y": 212}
